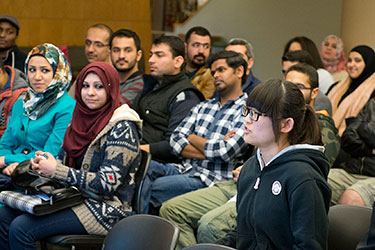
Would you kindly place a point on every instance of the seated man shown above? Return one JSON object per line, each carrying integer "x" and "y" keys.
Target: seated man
{"x": 211, "y": 211}
{"x": 165, "y": 102}
{"x": 209, "y": 140}
{"x": 354, "y": 182}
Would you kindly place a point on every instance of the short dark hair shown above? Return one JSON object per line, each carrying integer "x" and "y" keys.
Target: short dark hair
{"x": 175, "y": 44}
{"x": 308, "y": 70}
{"x": 280, "y": 99}
{"x": 233, "y": 59}
{"x": 103, "y": 27}
{"x": 199, "y": 30}
{"x": 308, "y": 45}
{"x": 243, "y": 42}
{"x": 126, "y": 33}
{"x": 300, "y": 56}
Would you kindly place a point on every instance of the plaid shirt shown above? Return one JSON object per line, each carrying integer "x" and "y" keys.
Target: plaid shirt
{"x": 211, "y": 121}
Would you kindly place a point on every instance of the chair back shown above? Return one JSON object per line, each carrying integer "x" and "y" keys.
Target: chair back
{"x": 207, "y": 246}
{"x": 140, "y": 176}
{"x": 140, "y": 232}
{"x": 347, "y": 226}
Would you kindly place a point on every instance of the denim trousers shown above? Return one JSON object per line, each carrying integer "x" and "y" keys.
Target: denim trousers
{"x": 20, "y": 230}
{"x": 163, "y": 182}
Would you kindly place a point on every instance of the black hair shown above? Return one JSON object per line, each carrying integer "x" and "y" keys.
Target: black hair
{"x": 308, "y": 45}
{"x": 308, "y": 70}
{"x": 126, "y": 33}
{"x": 199, "y": 30}
{"x": 279, "y": 100}
{"x": 233, "y": 59}
{"x": 176, "y": 45}
{"x": 300, "y": 56}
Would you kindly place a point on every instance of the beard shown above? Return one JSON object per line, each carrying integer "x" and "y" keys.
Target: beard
{"x": 125, "y": 70}
{"x": 308, "y": 99}
{"x": 198, "y": 64}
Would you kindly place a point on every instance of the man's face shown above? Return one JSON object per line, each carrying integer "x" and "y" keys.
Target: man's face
{"x": 8, "y": 35}
{"x": 96, "y": 45}
{"x": 241, "y": 49}
{"x": 124, "y": 54}
{"x": 161, "y": 61}
{"x": 302, "y": 81}
{"x": 225, "y": 77}
{"x": 198, "y": 50}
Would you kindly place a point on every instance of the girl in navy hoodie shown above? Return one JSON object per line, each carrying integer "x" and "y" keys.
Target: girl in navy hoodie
{"x": 283, "y": 196}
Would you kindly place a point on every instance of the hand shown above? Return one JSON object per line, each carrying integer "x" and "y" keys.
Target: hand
{"x": 229, "y": 135}
{"x": 44, "y": 163}
{"x": 236, "y": 173}
{"x": 2, "y": 161}
{"x": 145, "y": 147}
{"x": 9, "y": 169}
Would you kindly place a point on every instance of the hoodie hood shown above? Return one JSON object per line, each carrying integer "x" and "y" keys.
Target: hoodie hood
{"x": 18, "y": 78}
{"x": 311, "y": 154}
{"x": 124, "y": 112}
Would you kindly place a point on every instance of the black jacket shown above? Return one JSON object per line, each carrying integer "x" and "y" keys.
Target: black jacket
{"x": 16, "y": 59}
{"x": 287, "y": 207}
{"x": 358, "y": 140}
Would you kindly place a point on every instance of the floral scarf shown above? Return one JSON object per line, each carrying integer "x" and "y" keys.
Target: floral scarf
{"x": 36, "y": 104}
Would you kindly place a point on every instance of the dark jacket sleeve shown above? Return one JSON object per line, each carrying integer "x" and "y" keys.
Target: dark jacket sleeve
{"x": 360, "y": 132}
{"x": 229, "y": 239}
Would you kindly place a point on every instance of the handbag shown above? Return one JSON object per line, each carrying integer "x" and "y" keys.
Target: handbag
{"x": 40, "y": 194}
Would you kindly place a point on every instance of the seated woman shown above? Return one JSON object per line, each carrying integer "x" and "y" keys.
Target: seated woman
{"x": 333, "y": 57}
{"x": 40, "y": 119}
{"x": 349, "y": 96}
{"x": 283, "y": 197}
{"x": 100, "y": 154}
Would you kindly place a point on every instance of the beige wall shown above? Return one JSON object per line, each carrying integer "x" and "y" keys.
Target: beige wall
{"x": 358, "y": 23}
{"x": 268, "y": 25}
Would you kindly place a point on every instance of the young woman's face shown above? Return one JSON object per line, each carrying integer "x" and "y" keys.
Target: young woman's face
{"x": 40, "y": 73}
{"x": 355, "y": 64}
{"x": 329, "y": 48}
{"x": 93, "y": 92}
{"x": 295, "y": 46}
{"x": 258, "y": 133}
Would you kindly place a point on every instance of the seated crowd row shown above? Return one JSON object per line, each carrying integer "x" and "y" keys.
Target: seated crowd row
{"x": 275, "y": 155}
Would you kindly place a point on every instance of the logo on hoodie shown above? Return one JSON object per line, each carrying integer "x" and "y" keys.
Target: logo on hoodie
{"x": 276, "y": 188}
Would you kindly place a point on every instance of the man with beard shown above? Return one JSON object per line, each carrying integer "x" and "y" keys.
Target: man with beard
{"x": 198, "y": 48}
{"x": 209, "y": 140}
{"x": 9, "y": 52}
{"x": 125, "y": 54}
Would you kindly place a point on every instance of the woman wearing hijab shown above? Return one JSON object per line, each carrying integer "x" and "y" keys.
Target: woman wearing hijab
{"x": 349, "y": 96}
{"x": 100, "y": 154}
{"x": 40, "y": 119}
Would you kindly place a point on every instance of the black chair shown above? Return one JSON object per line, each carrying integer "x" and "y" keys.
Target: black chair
{"x": 207, "y": 246}
{"x": 141, "y": 232}
{"x": 95, "y": 241}
{"x": 347, "y": 226}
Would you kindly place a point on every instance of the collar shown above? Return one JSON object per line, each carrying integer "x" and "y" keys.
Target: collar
{"x": 170, "y": 79}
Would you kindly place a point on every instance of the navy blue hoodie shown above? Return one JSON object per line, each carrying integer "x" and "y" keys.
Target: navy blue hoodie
{"x": 285, "y": 205}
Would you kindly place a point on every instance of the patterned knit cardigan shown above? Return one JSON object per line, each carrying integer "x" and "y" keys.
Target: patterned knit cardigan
{"x": 108, "y": 170}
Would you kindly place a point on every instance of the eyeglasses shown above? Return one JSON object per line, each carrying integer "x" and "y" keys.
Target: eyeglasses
{"x": 301, "y": 86}
{"x": 96, "y": 44}
{"x": 253, "y": 115}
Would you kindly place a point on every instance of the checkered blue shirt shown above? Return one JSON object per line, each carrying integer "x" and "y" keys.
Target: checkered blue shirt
{"x": 211, "y": 121}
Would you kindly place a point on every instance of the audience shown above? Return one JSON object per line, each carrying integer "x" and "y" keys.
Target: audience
{"x": 9, "y": 52}
{"x": 333, "y": 58}
{"x": 209, "y": 139}
{"x": 100, "y": 154}
{"x": 304, "y": 43}
{"x": 168, "y": 101}
{"x": 126, "y": 53}
{"x": 12, "y": 87}
{"x": 198, "y": 48}
{"x": 211, "y": 212}
{"x": 39, "y": 120}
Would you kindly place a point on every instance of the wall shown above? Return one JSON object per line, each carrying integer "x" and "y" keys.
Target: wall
{"x": 268, "y": 25}
{"x": 66, "y": 21}
{"x": 358, "y": 23}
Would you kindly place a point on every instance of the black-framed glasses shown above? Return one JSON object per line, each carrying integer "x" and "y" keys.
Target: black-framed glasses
{"x": 96, "y": 44}
{"x": 302, "y": 87}
{"x": 253, "y": 115}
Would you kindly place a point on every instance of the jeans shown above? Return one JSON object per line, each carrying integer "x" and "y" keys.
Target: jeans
{"x": 163, "y": 182}
{"x": 20, "y": 230}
